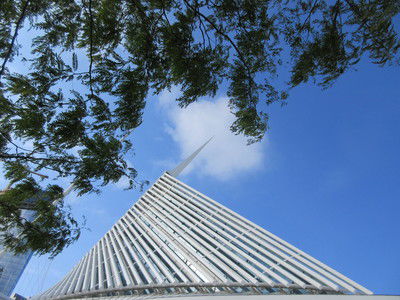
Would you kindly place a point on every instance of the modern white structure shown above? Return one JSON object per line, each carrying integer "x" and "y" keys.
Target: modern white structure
{"x": 176, "y": 241}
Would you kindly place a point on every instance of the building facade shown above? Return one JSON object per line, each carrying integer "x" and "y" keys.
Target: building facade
{"x": 11, "y": 265}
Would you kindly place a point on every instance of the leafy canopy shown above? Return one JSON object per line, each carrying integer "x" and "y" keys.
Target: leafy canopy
{"x": 116, "y": 52}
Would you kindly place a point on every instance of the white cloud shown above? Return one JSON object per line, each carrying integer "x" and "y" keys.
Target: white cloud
{"x": 227, "y": 155}
{"x": 123, "y": 183}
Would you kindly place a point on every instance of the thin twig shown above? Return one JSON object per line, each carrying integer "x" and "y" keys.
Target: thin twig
{"x": 91, "y": 48}
{"x": 38, "y": 174}
{"x": 10, "y": 141}
{"x": 364, "y": 22}
{"x": 11, "y": 46}
{"x": 220, "y": 32}
{"x": 228, "y": 38}
{"x": 25, "y": 157}
{"x": 309, "y": 15}
{"x": 166, "y": 17}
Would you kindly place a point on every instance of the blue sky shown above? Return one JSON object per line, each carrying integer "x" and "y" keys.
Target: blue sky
{"x": 326, "y": 178}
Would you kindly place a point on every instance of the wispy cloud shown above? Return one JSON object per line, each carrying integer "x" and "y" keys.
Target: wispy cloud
{"x": 227, "y": 155}
{"x": 123, "y": 183}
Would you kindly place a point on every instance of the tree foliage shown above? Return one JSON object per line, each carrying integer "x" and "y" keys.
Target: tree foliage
{"x": 116, "y": 52}
{"x": 54, "y": 227}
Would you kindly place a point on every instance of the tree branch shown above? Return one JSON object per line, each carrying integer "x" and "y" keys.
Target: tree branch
{"x": 11, "y": 46}
{"x": 25, "y": 157}
{"x": 91, "y": 47}
{"x": 364, "y": 21}
{"x": 228, "y": 38}
{"x": 10, "y": 141}
{"x": 21, "y": 221}
{"x": 309, "y": 15}
{"x": 220, "y": 32}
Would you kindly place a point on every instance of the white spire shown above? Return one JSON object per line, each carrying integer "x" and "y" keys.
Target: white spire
{"x": 179, "y": 168}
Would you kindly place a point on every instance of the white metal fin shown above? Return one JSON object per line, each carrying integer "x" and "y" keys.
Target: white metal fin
{"x": 179, "y": 168}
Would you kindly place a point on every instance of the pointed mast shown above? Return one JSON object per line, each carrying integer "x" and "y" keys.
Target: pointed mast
{"x": 179, "y": 168}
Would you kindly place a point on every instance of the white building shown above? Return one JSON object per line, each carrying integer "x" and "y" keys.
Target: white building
{"x": 177, "y": 242}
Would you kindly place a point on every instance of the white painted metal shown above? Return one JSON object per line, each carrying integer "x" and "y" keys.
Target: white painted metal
{"x": 231, "y": 237}
{"x": 106, "y": 260}
{"x": 153, "y": 256}
{"x": 177, "y": 240}
{"x": 284, "y": 246}
{"x": 144, "y": 251}
{"x": 179, "y": 168}
{"x": 134, "y": 253}
{"x": 199, "y": 230}
{"x": 166, "y": 253}
{"x": 193, "y": 244}
{"x": 176, "y": 250}
{"x": 204, "y": 220}
{"x": 115, "y": 274}
{"x": 86, "y": 279}
{"x": 255, "y": 297}
{"x": 69, "y": 287}
{"x": 93, "y": 273}
{"x": 81, "y": 275}
{"x": 100, "y": 265}
{"x": 190, "y": 258}
{"x": 121, "y": 257}
{"x": 255, "y": 246}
